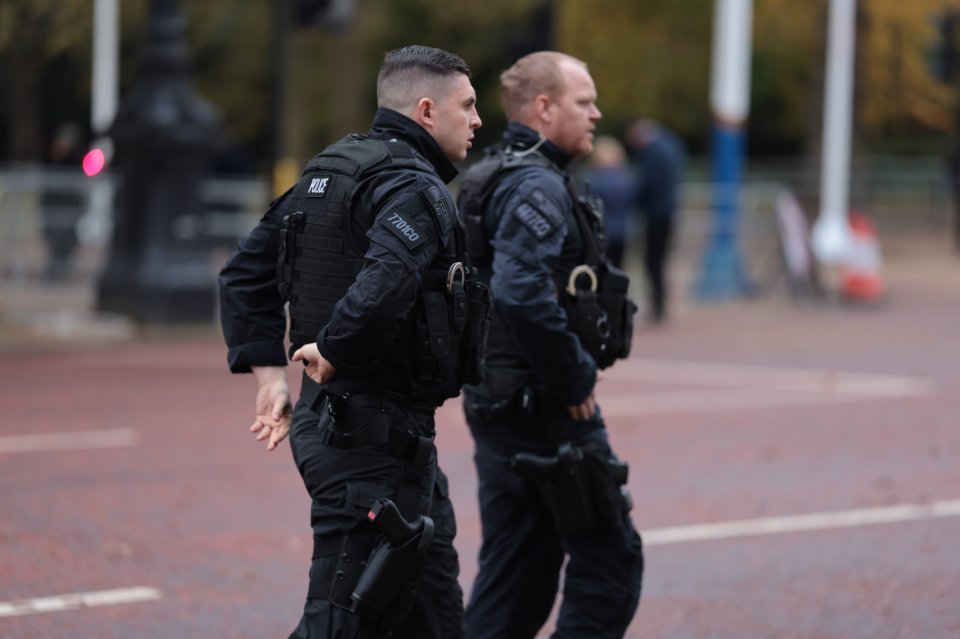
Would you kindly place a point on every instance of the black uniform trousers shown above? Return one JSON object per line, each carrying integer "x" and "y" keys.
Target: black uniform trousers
{"x": 522, "y": 551}
{"x": 343, "y": 485}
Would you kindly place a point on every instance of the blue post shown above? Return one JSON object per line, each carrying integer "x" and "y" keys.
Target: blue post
{"x": 721, "y": 273}
{"x": 722, "y": 276}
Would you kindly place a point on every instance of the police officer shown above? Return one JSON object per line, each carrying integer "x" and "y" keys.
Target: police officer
{"x": 367, "y": 250}
{"x": 550, "y": 486}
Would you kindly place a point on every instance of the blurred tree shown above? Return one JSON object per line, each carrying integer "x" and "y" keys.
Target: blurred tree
{"x": 649, "y": 58}
{"x": 487, "y": 35}
{"x": 899, "y": 95}
{"x": 787, "y": 76}
{"x": 895, "y": 95}
{"x": 36, "y": 38}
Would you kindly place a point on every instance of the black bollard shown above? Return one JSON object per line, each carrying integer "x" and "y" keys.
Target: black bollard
{"x": 158, "y": 270}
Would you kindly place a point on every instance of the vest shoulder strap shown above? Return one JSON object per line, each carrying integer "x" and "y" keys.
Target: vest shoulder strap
{"x": 355, "y": 155}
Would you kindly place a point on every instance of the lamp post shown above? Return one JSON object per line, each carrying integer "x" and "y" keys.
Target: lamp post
{"x": 158, "y": 271}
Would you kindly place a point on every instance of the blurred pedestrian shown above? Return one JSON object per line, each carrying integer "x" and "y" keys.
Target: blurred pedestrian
{"x": 61, "y": 201}
{"x": 550, "y": 487}
{"x": 660, "y": 159}
{"x": 367, "y": 251}
{"x": 614, "y": 182}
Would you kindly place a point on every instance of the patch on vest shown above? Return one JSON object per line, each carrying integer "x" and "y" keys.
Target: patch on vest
{"x": 536, "y": 219}
{"x": 438, "y": 204}
{"x": 546, "y": 206}
{"x": 403, "y": 229}
{"x": 318, "y": 186}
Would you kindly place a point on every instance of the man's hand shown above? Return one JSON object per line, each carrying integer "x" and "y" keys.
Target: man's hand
{"x": 317, "y": 368}
{"x": 273, "y": 405}
{"x": 584, "y": 410}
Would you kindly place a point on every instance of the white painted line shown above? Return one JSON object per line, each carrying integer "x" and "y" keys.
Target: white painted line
{"x": 798, "y": 523}
{"x": 706, "y": 374}
{"x": 79, "y": 600}
{"x": 78, "y": 440}
{"x": 709, "y": 400}
{"x": 731, "y": 387}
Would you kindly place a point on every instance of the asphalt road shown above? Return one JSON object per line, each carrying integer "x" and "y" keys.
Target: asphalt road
{"x": 795, "y": 470}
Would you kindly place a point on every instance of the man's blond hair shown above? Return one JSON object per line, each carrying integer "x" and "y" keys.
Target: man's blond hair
{"x": 532, "y": 75}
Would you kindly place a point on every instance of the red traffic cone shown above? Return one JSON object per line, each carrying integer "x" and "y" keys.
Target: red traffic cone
{"x": 861, "y": 273}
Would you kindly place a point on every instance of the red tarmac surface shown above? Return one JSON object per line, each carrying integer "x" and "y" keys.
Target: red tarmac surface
{"x": 733, "y": 411}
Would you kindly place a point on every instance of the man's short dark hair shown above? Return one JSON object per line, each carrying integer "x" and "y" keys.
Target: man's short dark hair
{"x": 413, "y": 72}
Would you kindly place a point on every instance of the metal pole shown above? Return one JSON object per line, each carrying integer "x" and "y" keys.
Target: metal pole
{"x": 104, "y": 89}
{"x": 831, "y": 233}
{"x": 722, "y": 274}
{"x": 95, "y": 225}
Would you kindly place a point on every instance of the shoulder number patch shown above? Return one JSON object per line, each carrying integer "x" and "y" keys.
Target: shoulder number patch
{"x": 438, "y": 204}
{"x": 543, "y": 204}
{"x": 403, "y": 229}
{"x": 533, "y": 220}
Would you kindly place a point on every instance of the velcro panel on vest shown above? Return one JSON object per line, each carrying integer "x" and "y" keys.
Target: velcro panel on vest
{"x": 438, "y": 331}
{"x": 324, "y": 265}
{"x": 321, "y": 313}
{"x": 399, "y": 150}
{"x": 320, "y": 243}
{"x": 587, "y": 315}
{"x": 459, "y": 306}
{"x": 333, "y": 163}
{"x": 313, "y": 291}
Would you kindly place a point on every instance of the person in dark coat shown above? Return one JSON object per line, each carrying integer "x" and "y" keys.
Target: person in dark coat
{"x": 660, "y": 160}
{"x": 62, "y": 201}
{"x": 614, "y": 182}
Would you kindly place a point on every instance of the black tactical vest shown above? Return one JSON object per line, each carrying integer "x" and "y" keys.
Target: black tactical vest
{"x": 439, "y": 345}
{"x": 593, "y": 294}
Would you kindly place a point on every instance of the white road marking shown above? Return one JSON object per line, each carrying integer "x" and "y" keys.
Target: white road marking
{"x": 709, "y": 374}
{"x": 79, "y": 600}
{"x": 732, "y": 387}
{"x": 78, "y": 440}
{"x": 797, "y": 523}
{"x": 693, "y": 401}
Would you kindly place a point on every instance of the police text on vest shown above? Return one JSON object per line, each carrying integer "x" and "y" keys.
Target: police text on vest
{"x": 318, "y": 186}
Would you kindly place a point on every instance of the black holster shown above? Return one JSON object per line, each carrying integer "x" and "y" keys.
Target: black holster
{"x": 583, "y": 489}
{"x": 385, "y": 586}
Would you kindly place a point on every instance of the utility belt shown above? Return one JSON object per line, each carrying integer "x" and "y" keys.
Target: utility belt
{"x": 600, "y": 311}
{"x": 525, "y": 404}
{"x": 364, "y": 419}
{"x": 583, "y": 489}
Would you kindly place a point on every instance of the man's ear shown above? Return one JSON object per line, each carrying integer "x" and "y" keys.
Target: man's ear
{"x": 426, "y": 113}
{"x": 542, "y": 107}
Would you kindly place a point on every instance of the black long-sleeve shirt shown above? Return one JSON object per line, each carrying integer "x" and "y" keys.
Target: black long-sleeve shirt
{"x": 366, "y": 320}
{"x": 536, "y": 243}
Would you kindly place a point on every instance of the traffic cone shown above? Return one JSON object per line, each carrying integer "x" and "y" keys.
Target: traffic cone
{"x": 861, "y": 276}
